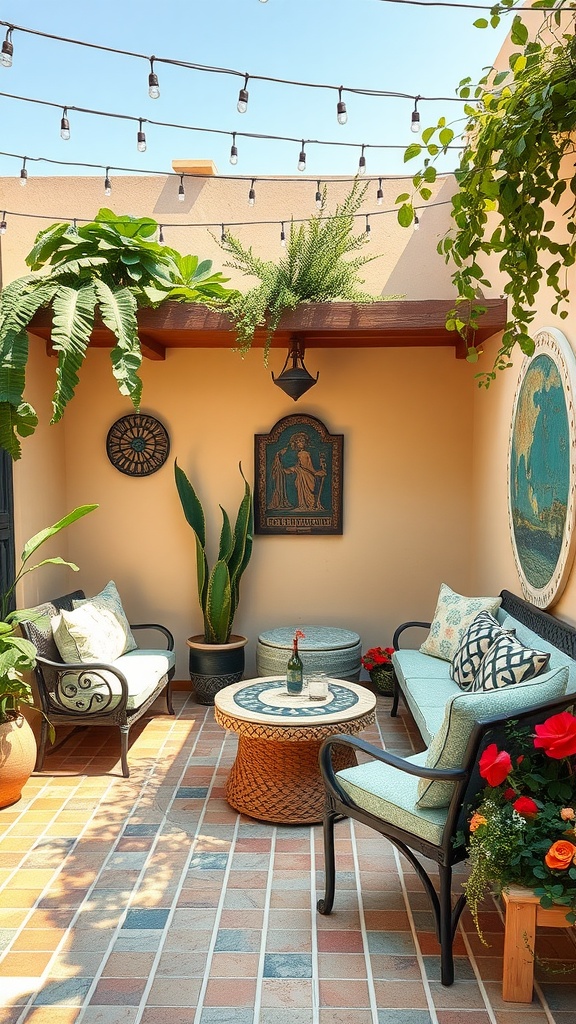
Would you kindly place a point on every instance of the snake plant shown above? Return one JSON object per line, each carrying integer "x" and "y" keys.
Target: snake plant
{"x": 219, "y": 588}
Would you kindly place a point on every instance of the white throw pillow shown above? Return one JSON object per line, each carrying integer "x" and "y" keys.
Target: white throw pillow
{"x": 88, "y": 634}
{"x": 454, "y": 613}
{"x": 108, "y": 600}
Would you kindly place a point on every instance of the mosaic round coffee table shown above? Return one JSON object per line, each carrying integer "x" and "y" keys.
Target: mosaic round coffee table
{"x": 276, "y": 776}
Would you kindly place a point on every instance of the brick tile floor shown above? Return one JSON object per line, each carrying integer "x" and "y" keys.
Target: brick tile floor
{"x": 150, "y": 901}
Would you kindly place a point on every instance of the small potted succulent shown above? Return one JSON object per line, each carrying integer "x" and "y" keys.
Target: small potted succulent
{"x": 217, "y": 655}
{"x": 378, "y": 663}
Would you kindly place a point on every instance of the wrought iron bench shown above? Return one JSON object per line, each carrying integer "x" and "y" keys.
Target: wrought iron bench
{"x": 96, "y": 693}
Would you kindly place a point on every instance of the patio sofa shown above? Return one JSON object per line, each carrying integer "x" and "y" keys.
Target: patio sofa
{"x": 425, "y": 683}
{"x": 90, "y": 690}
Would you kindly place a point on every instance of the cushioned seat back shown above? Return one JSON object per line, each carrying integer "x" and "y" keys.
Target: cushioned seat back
{"x": 38, "y": 628}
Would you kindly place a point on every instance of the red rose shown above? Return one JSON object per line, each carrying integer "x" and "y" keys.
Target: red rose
{"x": 557, "y": 735}
{"x": 525, "y": 806}
{"x": 495, "y": 765}
{"x": 520, "y": 758}
{"x": 509, "y": 793}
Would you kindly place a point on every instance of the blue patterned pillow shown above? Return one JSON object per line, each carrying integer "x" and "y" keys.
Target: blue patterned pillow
{"x": 477, "y": 641}
{"x": 454, "y": 613}
{"x": 506, "y": 663}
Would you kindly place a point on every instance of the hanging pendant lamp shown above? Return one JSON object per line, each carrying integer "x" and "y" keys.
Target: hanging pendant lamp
{"x": 295, "y": 380}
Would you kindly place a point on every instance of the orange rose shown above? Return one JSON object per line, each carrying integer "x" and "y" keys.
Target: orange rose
{"x": 567, "y": 813}
{"x": 560, "y": 855}
{"x": 476, "y": 820}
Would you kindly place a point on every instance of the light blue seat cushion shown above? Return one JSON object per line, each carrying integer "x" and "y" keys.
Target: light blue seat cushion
{"x": 391, "y": 795}
{"x": 427, "y": 686}
{"x": 143, "y": 670}
{"x": 527, "y": 637}
{"x": 448, "y": 747}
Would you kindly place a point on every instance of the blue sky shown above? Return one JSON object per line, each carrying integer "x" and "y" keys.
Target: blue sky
{"x": 361, "y": 43}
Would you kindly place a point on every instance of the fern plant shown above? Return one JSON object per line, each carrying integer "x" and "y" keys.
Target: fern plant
{"x": 314, "y": 269}
{"x": 112, "y": 264}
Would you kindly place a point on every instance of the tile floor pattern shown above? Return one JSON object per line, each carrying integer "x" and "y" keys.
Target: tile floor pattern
{"x": 150, "y": 901}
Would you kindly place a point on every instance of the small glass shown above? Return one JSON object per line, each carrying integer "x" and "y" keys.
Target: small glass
{"x": 317, "y": 686}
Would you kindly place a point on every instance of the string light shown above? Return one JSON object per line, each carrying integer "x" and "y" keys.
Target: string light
{"x": 161, "y": 234}
{"x": 233, "y": 151}
{"x": 416, "y": 222}
{"x": 65, "y": 125}
{"x": 107, "y": 183}
{"x": 318, "y": 196}
{"x": 242, "y": 105}
{"x": 223, "y": 234}
{"x": 302, "y": 158}
{"x": 341, "y": 113}
{"x": 3, "y": 224}
{"x": 181, "y": 192}
{"x": 379, "y": 193}
{"x": 23, "y": 174}
{"x": 415, "y": 119}
{"x": 252, "y": 193}
{"x": 141, "y": 138}
{"x": 367, "y": 229}
{"x": 153, "y": 87}
{"x": 362, "y": 162}
{"x": 282, "y": 236}
{"x": 7, "y": 50}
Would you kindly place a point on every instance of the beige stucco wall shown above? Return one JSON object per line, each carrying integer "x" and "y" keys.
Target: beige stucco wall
{"x": 406, "y": 416}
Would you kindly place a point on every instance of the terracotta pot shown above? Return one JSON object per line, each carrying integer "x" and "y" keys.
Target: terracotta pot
{"x": 214, "y": 666}
{"x": 17, "y": 758}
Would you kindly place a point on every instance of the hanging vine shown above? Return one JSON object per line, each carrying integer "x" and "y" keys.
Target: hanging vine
{"x": 516, "y": 191}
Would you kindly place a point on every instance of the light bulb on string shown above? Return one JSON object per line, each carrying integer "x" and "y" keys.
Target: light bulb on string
{"x": 415, "y": 119}
{"x": 302, "y": 158}
{"x": 3, "y": 224}
{"x": 318, "y": 196}
{"x": 161, "y": 234}
{"x": 223, "y": 234}
{"x": 7, "y": 50}
{"x": 153, "y": 86}
{"x": 233, "y": 151}
{"x": 362, "y": 162}
{"x": 242, "y": 105}
{"x": 379, "y": 193}
{"x": 416, "y": 222}
{"x": 65, "y": 125}
{"x": 341, "y": 113}
{"x": 368, "y": 228}
{"x": 107, "y": 183}
{"x": 181, "y": 192}
{"x": 282, "y": 236}
{"x": 24, "y": 174}
{"x": 252, "y": 193}
{"x": 141, "y": 138}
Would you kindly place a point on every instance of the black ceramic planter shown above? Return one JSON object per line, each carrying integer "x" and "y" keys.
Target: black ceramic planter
{"x": 214, "y": 666}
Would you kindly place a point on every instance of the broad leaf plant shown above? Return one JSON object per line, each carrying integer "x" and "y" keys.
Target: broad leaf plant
{"x": 113, "y": 266}
{"x": 516, "y": 181}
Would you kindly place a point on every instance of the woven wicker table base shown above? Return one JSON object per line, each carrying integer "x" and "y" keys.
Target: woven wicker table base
{"x": 279, "y": 781}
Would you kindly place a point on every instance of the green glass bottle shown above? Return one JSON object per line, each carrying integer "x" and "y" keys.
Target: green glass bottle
{"x": 294, "y": 668}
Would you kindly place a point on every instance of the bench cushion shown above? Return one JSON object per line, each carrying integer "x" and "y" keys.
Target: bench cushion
{"x": 100, "y": 691}
{"x": 391, "y": 794}
{"x": 463, "y": 710}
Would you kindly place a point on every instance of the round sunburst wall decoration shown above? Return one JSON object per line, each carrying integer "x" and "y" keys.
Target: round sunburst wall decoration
{"x": 137, "y": 445}
{"x": 542, "y": 469}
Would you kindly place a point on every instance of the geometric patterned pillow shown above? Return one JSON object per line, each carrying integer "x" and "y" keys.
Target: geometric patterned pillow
{"x": 454, "y": 613}
{"x": 108, "y": 601}
{"x": 506, "y": 663}
{"x": 477, "y": 641}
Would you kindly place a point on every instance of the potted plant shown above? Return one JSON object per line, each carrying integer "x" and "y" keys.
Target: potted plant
{"x": 217, "y": 655}
{"x": 378, "y": 664}
{"x": 17, "y": 655}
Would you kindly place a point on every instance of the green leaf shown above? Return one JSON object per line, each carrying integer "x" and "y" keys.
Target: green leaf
{"x": 480, "y": 23}
{"x": 218, "y": 604}
{"x": 412, "y": 151}
{"x": 406, "y": 215}
{"x": 118, "y": 311}
{"x": 40, "y": 538}
{"x": 71, "y": 329}
{"x": 518, "y": 32}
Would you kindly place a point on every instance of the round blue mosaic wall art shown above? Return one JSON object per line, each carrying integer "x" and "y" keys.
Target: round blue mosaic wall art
{"x": 542, "y": 469}
{"x": 253, "y": 698}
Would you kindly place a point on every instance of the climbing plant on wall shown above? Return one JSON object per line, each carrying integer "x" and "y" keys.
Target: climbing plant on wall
{"x": 516, "y": 182}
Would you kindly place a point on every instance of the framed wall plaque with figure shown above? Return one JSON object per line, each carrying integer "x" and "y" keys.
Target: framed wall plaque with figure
{"x": 298, "y": 485}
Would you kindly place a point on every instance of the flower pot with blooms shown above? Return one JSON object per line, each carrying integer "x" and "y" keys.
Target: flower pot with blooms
{"x": 523, "y": 829}
{"x": 378, "y": 663}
